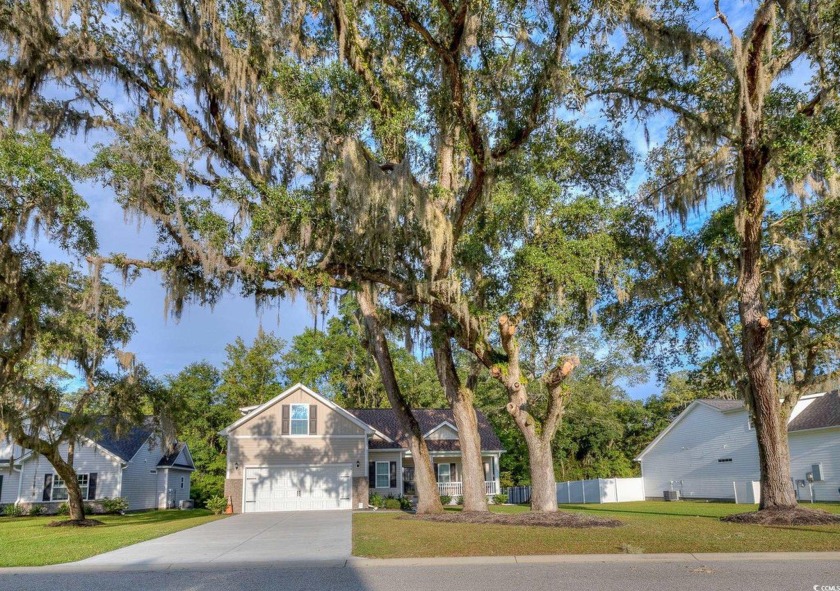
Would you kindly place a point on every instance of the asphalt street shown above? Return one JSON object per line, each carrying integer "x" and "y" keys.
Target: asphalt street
{"x": 641, "y": 574}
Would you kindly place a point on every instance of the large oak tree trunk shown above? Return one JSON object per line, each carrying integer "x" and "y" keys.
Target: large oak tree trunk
{"x": 74, "y": 493}
{"x": 461, "y": 400}
{"x": 428, "y": 496}
{"x": 543, "y": 483}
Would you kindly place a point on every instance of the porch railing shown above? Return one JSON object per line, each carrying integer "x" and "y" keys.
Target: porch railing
{"x": 456, "y": 489}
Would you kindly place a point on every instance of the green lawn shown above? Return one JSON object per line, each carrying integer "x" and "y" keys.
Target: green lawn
{"x": 649, "y": 527}
{"x": 27, "y": 541}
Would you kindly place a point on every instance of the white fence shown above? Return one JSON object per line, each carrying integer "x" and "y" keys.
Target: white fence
{"x": 456, "y": 489}
{"x": 601, "y": 490}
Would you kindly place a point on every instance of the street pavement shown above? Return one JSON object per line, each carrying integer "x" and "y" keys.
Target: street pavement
{"x": 759, "y": 572}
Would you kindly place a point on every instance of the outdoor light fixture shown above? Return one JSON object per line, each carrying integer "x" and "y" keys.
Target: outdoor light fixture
{"x": 236, "y": 466}
{"x": 358, "y": 464}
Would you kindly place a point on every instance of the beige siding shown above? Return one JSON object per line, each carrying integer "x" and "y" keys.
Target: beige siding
{"x": 388, "y": 456}
{"x": 444, "y": 433}
{"x": 267, "y": 422}
{"x": 279, "y": 451}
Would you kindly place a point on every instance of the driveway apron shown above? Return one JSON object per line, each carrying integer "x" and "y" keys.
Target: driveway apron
{"x": 255, "y": 537}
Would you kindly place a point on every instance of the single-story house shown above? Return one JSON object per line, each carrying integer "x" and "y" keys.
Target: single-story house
{"x": 135, "y": 467}
{"x": 301, "y": 451}
{"x": 710, "y": 451}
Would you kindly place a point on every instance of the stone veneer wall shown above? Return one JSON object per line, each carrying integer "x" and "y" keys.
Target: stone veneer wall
{"x": 233, "y": 491}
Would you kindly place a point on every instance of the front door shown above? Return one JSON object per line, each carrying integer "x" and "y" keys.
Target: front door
{"x": 408, "y": 481}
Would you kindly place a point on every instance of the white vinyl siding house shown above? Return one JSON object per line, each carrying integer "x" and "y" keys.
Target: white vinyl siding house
{"x": 106, "y": 467}
{"x": 710, "y": 449}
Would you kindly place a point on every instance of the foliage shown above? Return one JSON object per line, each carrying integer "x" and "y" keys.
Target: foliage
{"x": 376, "y": 500}
{"x": 445, "y": 499}
{"x": 90, "y": 508}
{"x": 392, "y": 504}
{"x": 216, "y": 504}
{"x": 36, "y": 510}
{"x": 13, "y": 510}
{"x": 500, "y": 499}
{"x": 63, "y": 509}
{"x": 251, "y": 374}
{"x": 115, "y": 505}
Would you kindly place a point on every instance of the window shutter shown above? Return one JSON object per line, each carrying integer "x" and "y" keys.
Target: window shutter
{"x": 284, "y": 427}
{"x": 437, "y": 472}
{"x": 452, "y": 476}
{"x": 393, "y": 483}
{"x": 372, "y": 474}
{"x": 91, "y": 486}
{"x": 47, "y": 487}
{"x": 313, "y": 419}
{"x": 1, "y": 485}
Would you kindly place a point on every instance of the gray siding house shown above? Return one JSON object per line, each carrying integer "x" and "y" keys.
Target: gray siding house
{"x": 710, "y": 449}
{"x": 135, "y": 467}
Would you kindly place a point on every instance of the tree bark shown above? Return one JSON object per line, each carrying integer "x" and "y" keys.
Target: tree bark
{"x": 428, "y": 496}
{"x": 74, "y": 493}
{"x": 461, "y": 400}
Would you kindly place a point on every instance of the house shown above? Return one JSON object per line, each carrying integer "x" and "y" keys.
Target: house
{"x": 709, "y": 451}
{"x": 134, "y": 466}
{"x": 301, "y": 451}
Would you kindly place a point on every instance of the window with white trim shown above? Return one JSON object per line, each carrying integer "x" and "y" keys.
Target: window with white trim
{"x": 383, "y": 474}
{"x": 59, "y": 487}
{"x": 300, "y": 419}
{"x": 444, "y": 475}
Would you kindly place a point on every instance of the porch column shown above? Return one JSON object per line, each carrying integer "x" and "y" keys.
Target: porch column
{"x": 400, "y": 484}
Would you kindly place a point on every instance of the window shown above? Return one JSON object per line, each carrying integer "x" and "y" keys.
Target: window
{"x": 444, "y": 475}
{"x": 300, "y": 419}
{"x": 59, "y": 488}
{"x": 383, "y": 474}
{"x": 723, "y": 460}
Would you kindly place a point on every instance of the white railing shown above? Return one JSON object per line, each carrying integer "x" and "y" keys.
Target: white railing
{"x": 456, "y": 489}
{"x": 451, "y": 489}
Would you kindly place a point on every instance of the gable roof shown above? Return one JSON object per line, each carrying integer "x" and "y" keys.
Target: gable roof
{"x": 257, "y": 410}
{"x": 170, "y": 460}
{"x": 723, "y": 404}
{"x": 385, "y": 421}
{"x": 125, "y": 446}
{"x": 822, "y": 412}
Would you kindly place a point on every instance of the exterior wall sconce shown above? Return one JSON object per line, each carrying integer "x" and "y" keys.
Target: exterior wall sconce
{"x": 358, "y": 464}
{"x": 236, "y": 466}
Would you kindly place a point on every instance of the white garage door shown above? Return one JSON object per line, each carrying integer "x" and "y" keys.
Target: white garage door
{"x": 298, "y": 488}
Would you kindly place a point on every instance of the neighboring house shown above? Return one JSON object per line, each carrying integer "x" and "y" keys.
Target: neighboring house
{"x": 300, "y": 451}
{"x": 134, "y": 467}
{"x": 710, "y": 449}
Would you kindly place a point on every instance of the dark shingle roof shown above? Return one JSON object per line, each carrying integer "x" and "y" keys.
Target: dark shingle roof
{"x": 822, "y": 412}
{"x": 169, "y": 460}
{"x": 126, "y": 446}
{"x": 723, "y": 404}
{"x": 385, "y": 421}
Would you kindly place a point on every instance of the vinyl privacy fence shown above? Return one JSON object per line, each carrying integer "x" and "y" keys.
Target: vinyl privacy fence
{"x": 599, "y": 490}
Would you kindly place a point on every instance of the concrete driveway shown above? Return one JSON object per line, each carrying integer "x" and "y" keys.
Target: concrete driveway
{"x": 288, "y": 538}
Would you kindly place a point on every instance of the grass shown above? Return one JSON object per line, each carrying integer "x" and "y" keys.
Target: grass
{"x": 649, "y": 527}
{"x": 27, "y": 541}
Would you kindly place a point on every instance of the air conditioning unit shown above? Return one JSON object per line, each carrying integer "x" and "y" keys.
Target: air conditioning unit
{"x": 671, "y": 495}
{"x": 186, "y": 504}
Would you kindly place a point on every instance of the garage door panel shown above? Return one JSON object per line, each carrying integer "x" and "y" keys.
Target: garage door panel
{"x": 298, "y": 488}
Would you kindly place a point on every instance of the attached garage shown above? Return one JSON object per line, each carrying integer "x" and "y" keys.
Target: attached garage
{"x": 298, "y": 488}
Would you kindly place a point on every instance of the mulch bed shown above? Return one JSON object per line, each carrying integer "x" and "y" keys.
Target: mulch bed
{"x": 798, "y": 516}
{"x": 559, "y": 519}
{"x": 75, "y": 523}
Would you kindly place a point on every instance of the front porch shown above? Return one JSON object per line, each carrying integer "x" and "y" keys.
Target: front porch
{"x": 448, "y": 471}
{"x": 456, "y": 489}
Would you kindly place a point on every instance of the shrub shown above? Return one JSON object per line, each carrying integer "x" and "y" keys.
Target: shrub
{"x": 115, "y": 505}
{"x": 376, "y": 500}
{"x": 459, "y": 500}
{"x": 36, "y": 510}
{"x": 216, "y": 504}
{"x": 500, "y": 499}
{"x": 405, "y": 503}
{"x": 90, "y": 509}
{"x": 12, "y": 510}
{"x": 445, "y": 499}
{"x": 393, "y": 504}
{"x": 63, "y": 509}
